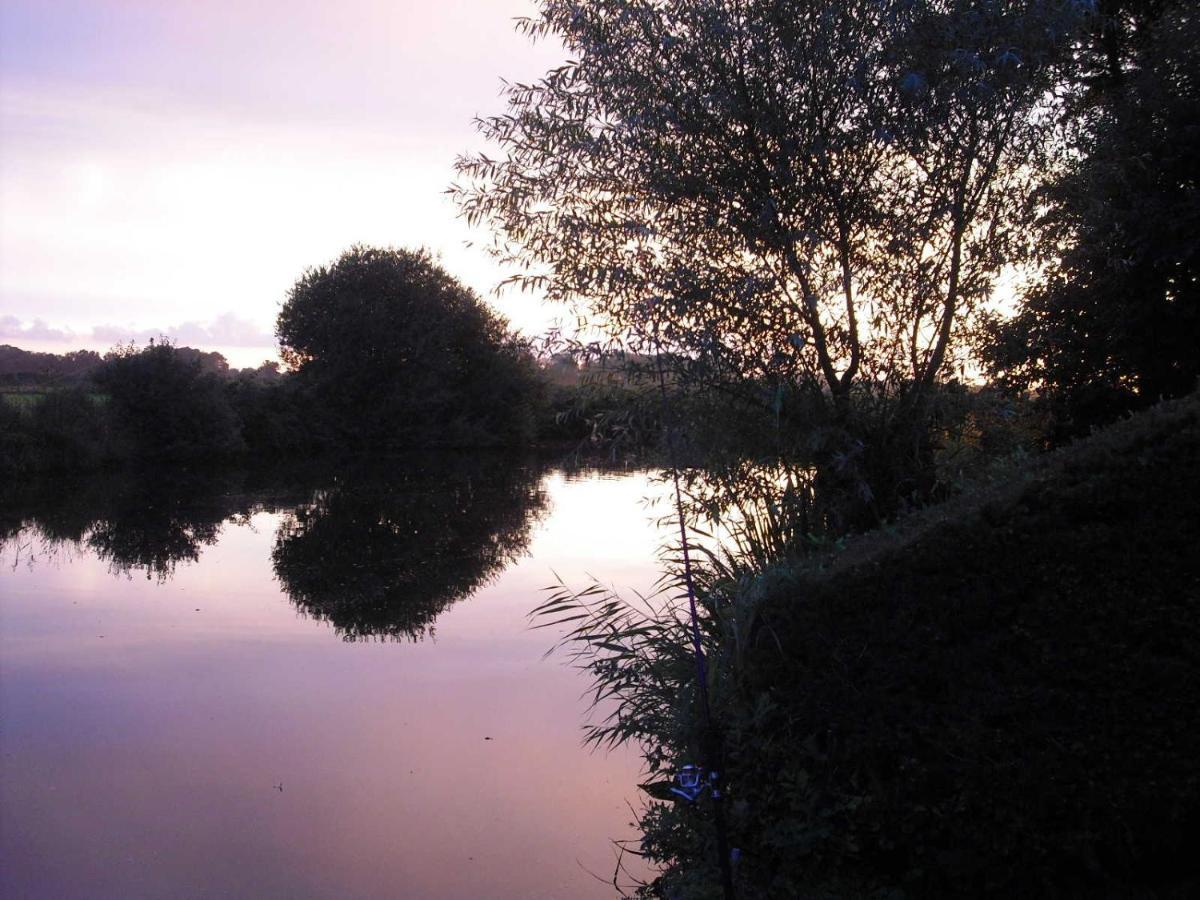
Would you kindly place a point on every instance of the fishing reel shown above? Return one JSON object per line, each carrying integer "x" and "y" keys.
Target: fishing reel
{"x": 692, "y": 781}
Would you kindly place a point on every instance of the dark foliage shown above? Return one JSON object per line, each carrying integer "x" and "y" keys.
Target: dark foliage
{"x": 812, "y": 195}
{"x": 999, "y": 700}
{"x": 59, "y": 431}
{"x": 164, "y": 405}
{"x": 1115, "y": 324}
{"x": 613, "y": 420}
{"x": 19, "y": 366}
{"x": 16, "y": 450}
{"x": 279, "y": 417}
{"x": 400, "y": 354}
{"x": 71, "y": 430}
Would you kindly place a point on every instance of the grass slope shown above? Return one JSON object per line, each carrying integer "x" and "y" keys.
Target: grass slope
{"x": 998, "y": 698}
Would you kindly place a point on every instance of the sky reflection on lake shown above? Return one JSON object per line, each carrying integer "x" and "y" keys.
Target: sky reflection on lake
{"x": 203, "y": 735}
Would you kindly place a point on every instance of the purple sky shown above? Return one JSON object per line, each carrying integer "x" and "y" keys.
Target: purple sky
{"x": 172, "y": 166}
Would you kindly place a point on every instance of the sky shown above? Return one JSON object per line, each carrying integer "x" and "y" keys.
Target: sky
{"x": 173, "y": 166}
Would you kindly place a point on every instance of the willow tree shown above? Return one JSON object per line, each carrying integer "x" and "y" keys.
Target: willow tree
{"x": 817, "y": 192}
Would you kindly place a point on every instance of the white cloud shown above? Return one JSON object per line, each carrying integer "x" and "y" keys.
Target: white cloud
{"x": 12, "y": 328}
{"x": 226, "y": 330}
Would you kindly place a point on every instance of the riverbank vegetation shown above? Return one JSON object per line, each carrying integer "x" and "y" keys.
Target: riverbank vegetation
{"x": 386, "y": 353}
{"x": 174, "y": 405}
{"x": 992, "y": 697}
{"x": 806, "y": 211}
{"x": 949, "y": 650}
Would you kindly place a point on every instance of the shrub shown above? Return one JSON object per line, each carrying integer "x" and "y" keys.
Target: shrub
{"x": 70, "y": 431}
{"x": 400, "y": 354}
{"x": 164, "y": 406}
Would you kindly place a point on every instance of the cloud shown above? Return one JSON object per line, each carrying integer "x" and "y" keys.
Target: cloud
{"x": 226, "y": 330}
{"x": 124, "y": 334}
{"x": 13, "y": 328}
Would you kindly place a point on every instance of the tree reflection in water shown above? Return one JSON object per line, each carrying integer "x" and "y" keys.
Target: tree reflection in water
{"x": 376, "y": 553}
{"x": 146, "y": 524}
{"x": 382, "y": 556}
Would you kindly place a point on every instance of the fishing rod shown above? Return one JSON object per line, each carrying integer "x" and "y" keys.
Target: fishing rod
{"x": 691, "y": 780}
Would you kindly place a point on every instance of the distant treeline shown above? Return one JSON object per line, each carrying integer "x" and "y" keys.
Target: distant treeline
{"x": 158, "y": 403}
{"x": 43, "y": 370}
{"x": 385, "y": 353}
{"x": 167, "y": 404}
{"x": 18, "y": 367}
{"x": 162, "y": 404}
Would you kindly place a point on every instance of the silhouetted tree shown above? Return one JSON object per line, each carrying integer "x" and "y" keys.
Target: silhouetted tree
{"x": 1114, "y": 325}
{"x": 803, "y": 193}
{"x": 401, "y": 354}
{"x": 165, "y": 405}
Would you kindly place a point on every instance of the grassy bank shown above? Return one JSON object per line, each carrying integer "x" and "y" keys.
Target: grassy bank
{"x": 995, "y": 698}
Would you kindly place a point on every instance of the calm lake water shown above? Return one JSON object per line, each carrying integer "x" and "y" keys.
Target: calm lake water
{"x": 234, "y": 688}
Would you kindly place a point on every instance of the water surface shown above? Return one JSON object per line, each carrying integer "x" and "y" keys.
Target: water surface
{"x": 218, "y": 688}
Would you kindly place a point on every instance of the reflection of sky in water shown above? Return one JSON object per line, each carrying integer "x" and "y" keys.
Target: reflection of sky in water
{"x": 146, "y": 725}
